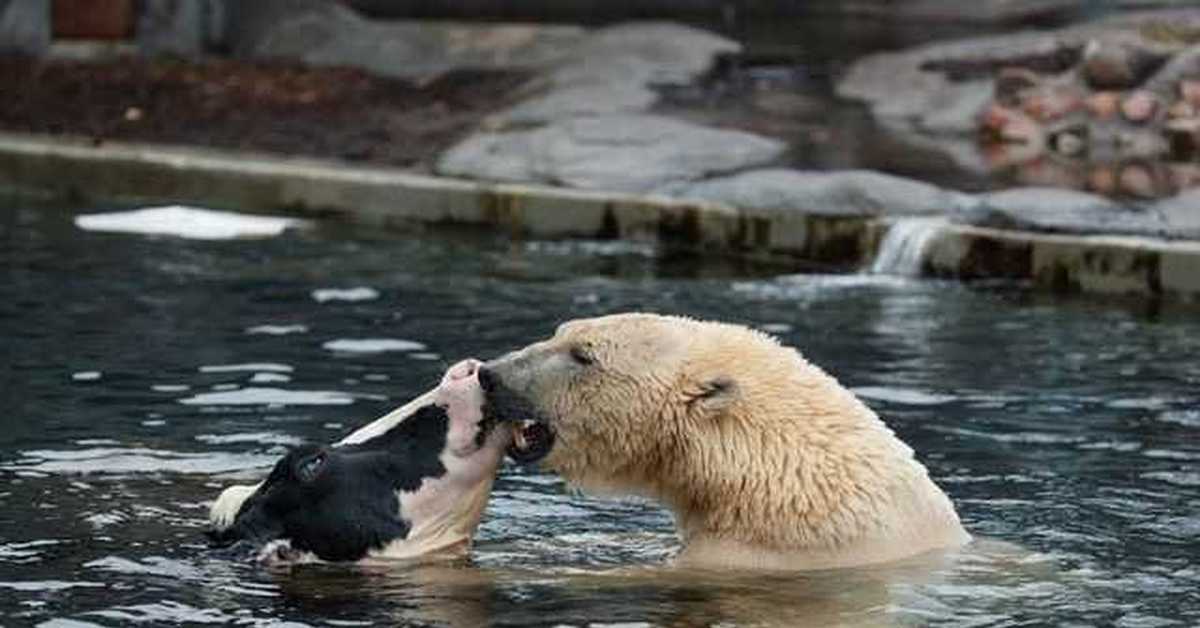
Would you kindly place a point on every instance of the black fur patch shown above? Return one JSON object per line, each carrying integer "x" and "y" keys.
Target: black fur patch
{"x": 340, "y": 502}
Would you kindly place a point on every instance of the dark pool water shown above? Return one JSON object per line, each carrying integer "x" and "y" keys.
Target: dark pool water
{"x": 141, "y": 374}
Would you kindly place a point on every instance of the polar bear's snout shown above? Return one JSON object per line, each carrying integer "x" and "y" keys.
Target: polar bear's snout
{"x": 533, "y": 434}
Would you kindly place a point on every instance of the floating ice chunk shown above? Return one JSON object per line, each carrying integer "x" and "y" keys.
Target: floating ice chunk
{"x": 277, "y": 330}
{"x": 249, "y": 366}
{"x": 372, "y": 345}
{"x": 253, "y": 396}
{"x": 361, "y": 293}
{"x": 187, "y": 222}
{"x": 86, "y": 376}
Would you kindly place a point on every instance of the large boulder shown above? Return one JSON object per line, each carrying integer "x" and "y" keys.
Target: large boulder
{"x": 646, "y": 53}
{"x": 613, "y": 69}
{"x": 631, "y": 153}
{"x": 24, "y": 26}
{"x": 1055, "y": 210}
{"x": 326, "y": 33}
{"x": 841, "y": 193}
{"x": 989, "y": 12}
{"x": 580, "y": 100}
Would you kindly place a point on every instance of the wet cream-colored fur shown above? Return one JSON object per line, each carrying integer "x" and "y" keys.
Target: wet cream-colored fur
{"x": 765, "y": 460}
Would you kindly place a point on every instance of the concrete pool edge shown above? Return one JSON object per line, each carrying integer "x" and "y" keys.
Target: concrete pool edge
{"x": 78, "y": 168}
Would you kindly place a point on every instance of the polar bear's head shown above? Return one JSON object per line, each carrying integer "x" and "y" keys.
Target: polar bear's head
{"x": 624, "y": 402}
{"x": 763, "y": 458}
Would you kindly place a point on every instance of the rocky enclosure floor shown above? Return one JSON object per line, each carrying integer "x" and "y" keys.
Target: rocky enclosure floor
{"x": 260, "y": 106}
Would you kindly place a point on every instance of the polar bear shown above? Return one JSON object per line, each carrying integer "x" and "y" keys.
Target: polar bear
{"x": 765, "y": 460}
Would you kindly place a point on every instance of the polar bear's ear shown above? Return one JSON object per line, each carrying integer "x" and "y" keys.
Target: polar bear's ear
{"x": 712, "y": 394}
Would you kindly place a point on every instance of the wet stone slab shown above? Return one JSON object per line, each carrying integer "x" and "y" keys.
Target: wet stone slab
{"x": 624, "y": 153}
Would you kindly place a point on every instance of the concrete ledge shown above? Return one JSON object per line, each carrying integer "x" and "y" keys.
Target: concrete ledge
{"x": 78, "y": 169}
{"x": 1068, "y": 263}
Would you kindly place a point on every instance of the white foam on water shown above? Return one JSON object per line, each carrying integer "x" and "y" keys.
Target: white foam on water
{"x": 267, "y": 378}
{"x": 1178, "y": 478}
{"x": 151, "y": 565}
{"x": 48, "y": 586}
{"x": 372, "y": 345}
{"x": 169, "y": 387}
{"x": 902, "y": 251}
{"x": 906, "y": 396}
{"x": 257, "y": 438}
{"x": 86, "y": 376}
{"x": 277, "y": 330}
{"x": 248, "y": 366}
{"x": 253, "y": 396}
{"x": 361, "y": 293}
{"x": 813, "y": 287}
{"x": 167, "y": 612}
{"x": 133, "y": 460}
{"x": 1189, "y": 418}
{"x": 187, "y": 222}
{"x": 24, "y": 551}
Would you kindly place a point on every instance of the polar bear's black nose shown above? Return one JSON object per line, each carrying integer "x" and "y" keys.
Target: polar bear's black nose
{"x": 487, "y": 379}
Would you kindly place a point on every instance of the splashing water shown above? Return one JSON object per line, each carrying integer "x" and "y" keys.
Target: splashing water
{"x": 903, "y": 248}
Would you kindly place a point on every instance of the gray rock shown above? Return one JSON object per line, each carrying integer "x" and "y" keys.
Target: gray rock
{"x": 1055, "y": 210}
{"x": 326, "y": 33}
{"x": 990, "y": 12}
{"x": 181, "y": 27}
{"x": 631, "y": 153}
{"x": 1118, "y": 65}
{"x": 581, "y": 100}
{"x": 1180, "y": 215}
{"x": 612, "y": 69}
{"x": 841, "y": 193}
{"x": 1186, "y": 64}
{"x": 957, "y": 110}
{"x": 917, "y": 84}
{"x": 642, "y": 53}
{"x": 24, "y": 26}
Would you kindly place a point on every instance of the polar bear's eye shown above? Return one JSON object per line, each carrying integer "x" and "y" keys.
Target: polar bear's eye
{"x": 582, "y": 355}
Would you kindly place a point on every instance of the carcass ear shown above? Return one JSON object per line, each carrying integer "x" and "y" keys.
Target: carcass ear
{"x": 712, "y": 394}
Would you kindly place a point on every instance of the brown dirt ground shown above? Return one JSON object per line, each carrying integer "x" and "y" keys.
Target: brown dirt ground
{"x": 271, "y": 107}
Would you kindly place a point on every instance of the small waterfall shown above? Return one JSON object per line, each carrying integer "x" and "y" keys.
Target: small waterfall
{"x": 903, "y": 248}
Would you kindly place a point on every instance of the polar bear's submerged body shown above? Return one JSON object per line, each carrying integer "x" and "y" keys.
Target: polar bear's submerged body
{"x": 765, "y": 460}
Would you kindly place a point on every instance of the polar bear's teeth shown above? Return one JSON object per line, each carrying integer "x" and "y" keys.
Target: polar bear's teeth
{"x": 519, "y": 439}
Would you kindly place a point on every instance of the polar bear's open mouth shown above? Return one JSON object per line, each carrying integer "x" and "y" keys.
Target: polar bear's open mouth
{"x": 532, "y": 440}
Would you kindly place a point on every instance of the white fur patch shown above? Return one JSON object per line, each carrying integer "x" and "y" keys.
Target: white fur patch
{"x": 223, "y": 511}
